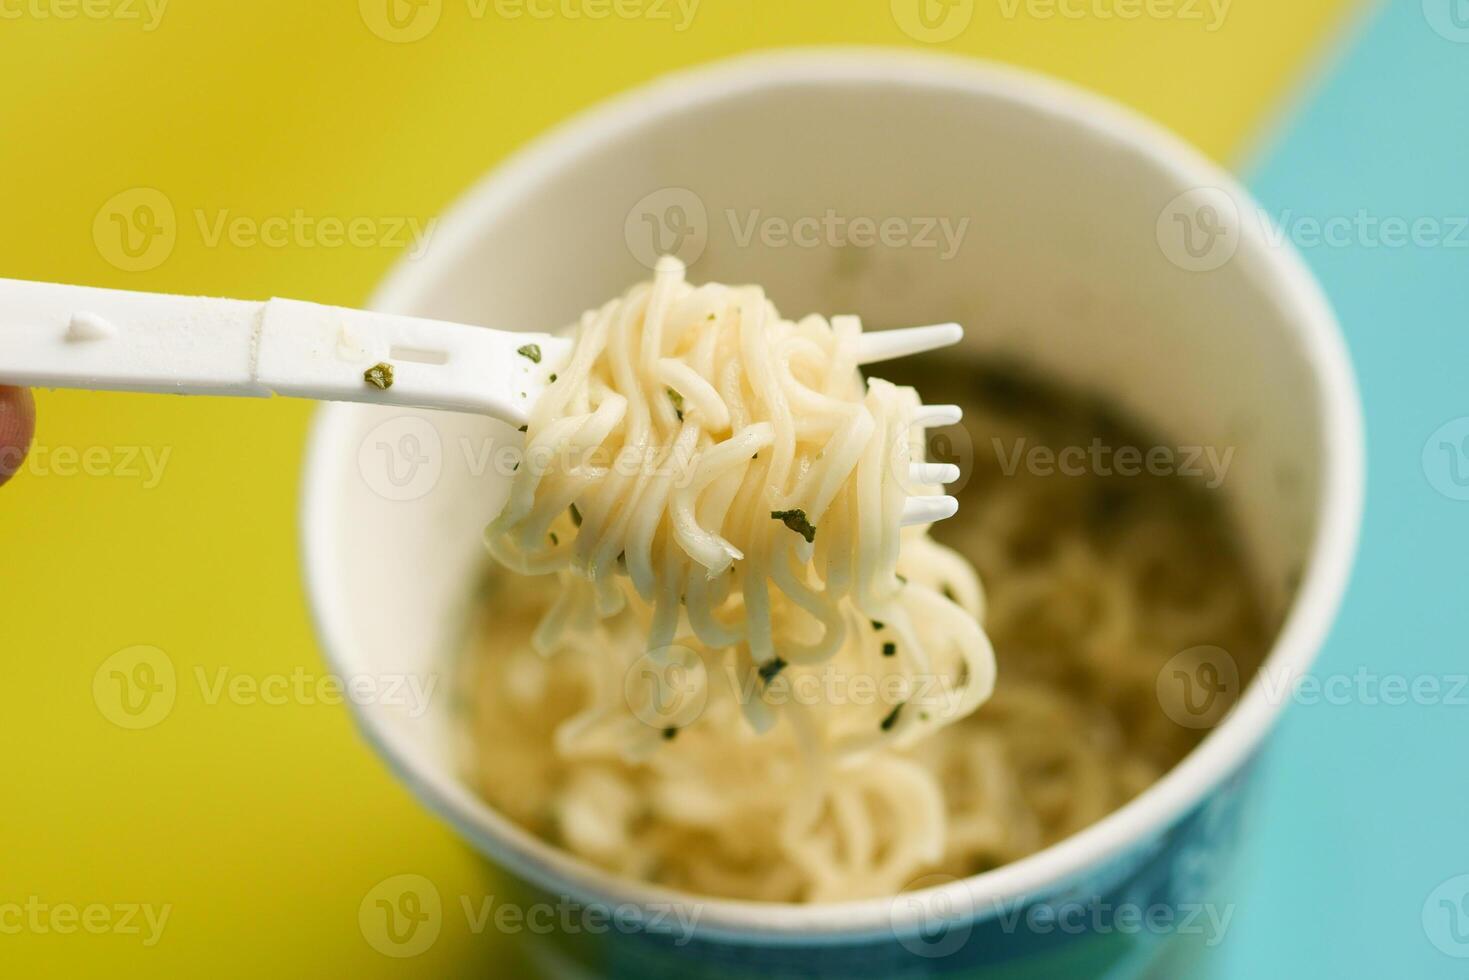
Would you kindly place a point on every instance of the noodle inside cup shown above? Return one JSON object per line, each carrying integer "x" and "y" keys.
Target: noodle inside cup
{"x": 1067, "y": 235}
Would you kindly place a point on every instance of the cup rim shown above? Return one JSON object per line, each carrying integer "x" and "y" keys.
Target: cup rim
{"x": 1222, "y": 752}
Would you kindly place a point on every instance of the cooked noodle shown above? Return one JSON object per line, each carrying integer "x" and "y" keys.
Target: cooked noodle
{"x": 722, "y": 591}
{"x": 619, "y": 706}
{"x": 1093, "y": 584}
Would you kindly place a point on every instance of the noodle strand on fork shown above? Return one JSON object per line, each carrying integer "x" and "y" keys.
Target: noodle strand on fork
{"x": 711, "y": 498}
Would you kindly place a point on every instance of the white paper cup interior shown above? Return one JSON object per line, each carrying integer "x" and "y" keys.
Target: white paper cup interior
{"x": 1052, "y": 216}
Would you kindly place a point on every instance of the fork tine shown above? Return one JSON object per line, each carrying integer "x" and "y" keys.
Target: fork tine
{"x": 927, "y": 510}
{"x": 932, "y": 474}
{"x": 885, "y": 345}
{"x": 935, "y": 416}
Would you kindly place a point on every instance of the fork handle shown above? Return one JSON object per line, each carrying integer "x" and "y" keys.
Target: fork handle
{"x": 61, "y": 336}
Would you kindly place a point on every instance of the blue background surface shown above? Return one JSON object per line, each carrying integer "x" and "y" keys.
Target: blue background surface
{"x": 1366, "y": 804}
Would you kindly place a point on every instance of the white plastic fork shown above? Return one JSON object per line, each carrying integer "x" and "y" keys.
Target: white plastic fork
{"x": 60, "y": 336}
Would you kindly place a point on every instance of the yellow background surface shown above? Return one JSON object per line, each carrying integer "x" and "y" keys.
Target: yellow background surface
{"x": 170, "y": 523}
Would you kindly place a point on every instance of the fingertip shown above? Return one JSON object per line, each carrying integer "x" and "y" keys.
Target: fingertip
{"x": 17, "y": 426}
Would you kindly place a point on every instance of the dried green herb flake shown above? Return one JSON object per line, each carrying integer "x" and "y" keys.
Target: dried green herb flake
{"x": 380, "y": 375}
{"x": 796, "y": 521}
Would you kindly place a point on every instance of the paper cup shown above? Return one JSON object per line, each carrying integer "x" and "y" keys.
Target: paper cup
{"x": 1061, "y": 230}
